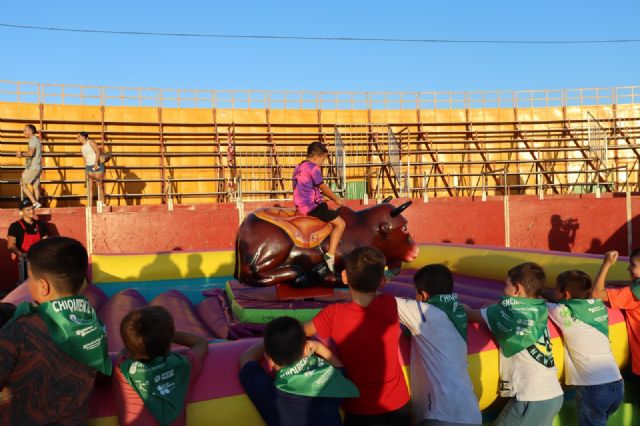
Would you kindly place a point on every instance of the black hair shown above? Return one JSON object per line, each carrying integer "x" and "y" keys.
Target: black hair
{"x": 23, "y": 204}
{"x": 62, "y": 260}
{"x": 147, "y": 333}
{"x": 32, "y": 127}
{"x": 529, "y": 275}
{"x": 365, "y": 269}
{"x": 576, "y": 282}
{"x": 6, "y": 312}
{"x": 84, "y": 135}
{"x": 284, "y": 340}
{"x": 316, "y": 148}
{"x": 635, "y": 254}
{"x": 434, "y": 279}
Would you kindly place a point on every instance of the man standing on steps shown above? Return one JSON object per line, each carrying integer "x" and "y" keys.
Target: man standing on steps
{"x": 23, "y": 234}
{"x": 33, "y": 166}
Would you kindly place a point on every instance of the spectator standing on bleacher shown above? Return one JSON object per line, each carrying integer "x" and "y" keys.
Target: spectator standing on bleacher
{"x": 94, "y": 168}
{"x": 23, "y": 234}
{"x": 33, "y": 165}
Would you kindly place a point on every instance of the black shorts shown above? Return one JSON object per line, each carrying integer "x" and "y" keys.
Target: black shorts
{"x": 324, "y": 213}
{"x": 399, "y": 417}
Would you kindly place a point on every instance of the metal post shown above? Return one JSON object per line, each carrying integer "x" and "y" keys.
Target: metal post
{"x": 540, "y": 186}
{"x": 507, "y": 224}
{"x": 99, "y": 202}
{"x": 629, "y": 213}
{"x": 88, "y": 219}
{"x": 169, "y": 196}
{"x": 239, "y": 203}
{"x": 425, "y": 192}
{"x": 484, "y": 186}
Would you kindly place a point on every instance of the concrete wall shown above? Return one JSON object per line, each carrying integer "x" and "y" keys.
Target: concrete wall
{"x": 601, "y": 225}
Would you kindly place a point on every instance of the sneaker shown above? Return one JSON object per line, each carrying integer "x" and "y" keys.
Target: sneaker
{"x": 37, "y": 205}
{"x": 330, "y": 260}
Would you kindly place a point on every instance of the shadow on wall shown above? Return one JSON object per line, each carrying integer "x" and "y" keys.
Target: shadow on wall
{"x": 562, "y": 234}
{"x": 130, "y": 185}
{"x": 618, "y": 240}
{"x": 164, "y": 266}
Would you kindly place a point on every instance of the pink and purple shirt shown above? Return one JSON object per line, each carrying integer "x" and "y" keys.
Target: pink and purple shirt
{"x": 307, "y": 177}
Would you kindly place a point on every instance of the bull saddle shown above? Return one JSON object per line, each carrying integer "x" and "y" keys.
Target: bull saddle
{"x": 304, "y": 231}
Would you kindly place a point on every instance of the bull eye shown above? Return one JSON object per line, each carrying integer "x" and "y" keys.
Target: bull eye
{"x": 404, "y": 228}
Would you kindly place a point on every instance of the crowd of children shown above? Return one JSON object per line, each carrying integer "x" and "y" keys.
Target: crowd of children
{"x": 52, "y": 350}
{"x": 365, "y": 336}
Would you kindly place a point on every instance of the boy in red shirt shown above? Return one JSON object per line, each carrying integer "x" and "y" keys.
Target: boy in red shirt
{"x": 152, "y": 383}
{"x": 627, "y": 298}
{"x": 366, "y": 332}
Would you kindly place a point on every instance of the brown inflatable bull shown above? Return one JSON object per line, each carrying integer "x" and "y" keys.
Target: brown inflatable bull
{"x": 276, "y": 245}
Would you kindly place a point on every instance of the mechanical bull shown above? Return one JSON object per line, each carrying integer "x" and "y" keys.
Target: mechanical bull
{"x": 276, "y": 245}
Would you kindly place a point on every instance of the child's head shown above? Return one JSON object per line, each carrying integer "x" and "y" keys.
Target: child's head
{"x": 634, "y": 264}
{"x": 285, "y": 341}
{"x": 317, "y": 152}
{"x": 432, "y": 280}
{"x": 57, "y": 268}
{"x": 573, "y": 284}
{"x": 525, "y": 280}
{"x": 364, "y": 270}
{"x": 147, "y": 333}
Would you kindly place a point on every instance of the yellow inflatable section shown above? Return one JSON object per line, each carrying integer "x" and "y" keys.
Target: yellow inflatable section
{"x": 116, "y": 268}
{"x": 493, "y": 263}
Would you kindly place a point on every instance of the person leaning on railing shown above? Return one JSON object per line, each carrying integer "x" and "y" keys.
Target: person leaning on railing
{"x": 94, "y": 168}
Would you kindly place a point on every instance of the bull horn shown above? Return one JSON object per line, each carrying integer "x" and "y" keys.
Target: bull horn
{"x": 386, "y": 200}
{"x": 395, "y": 212}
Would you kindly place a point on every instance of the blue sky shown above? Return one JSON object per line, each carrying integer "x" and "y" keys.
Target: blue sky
{"x": 224, "y": 64}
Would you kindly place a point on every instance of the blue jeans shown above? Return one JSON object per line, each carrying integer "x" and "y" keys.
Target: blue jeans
{"x": 596, "y": 403}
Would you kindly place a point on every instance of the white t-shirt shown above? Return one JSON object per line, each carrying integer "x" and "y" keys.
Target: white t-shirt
{"x": 440, "y": 385}
{"x": 531, "y": 374}
{"x": 588, "y": 358}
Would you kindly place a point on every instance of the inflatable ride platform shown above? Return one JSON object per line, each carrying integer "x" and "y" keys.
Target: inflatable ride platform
{"x": 199, "y": 291}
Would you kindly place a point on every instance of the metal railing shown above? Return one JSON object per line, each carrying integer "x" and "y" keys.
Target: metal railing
{"x": 67, "y": 94}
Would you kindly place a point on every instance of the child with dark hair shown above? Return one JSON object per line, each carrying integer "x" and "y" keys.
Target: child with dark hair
{"x": 366, "y": 332}
{"x": 589, "y": 362}
{"x": 528, "y": 374}
{"x": 308, "y": 386}
{"x": 441, "y": 389}
{"x": 625, "y": 298}
{"x": 150, "y": 382}
{"x": 308, "y": 187}
{"x": 51, "y": 349}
